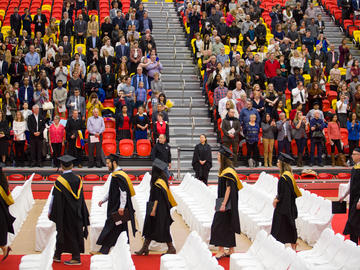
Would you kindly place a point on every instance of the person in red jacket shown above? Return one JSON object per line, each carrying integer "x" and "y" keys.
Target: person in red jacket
{"x": 270, "y": 66}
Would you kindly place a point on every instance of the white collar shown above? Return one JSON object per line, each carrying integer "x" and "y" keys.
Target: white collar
{"x": 67, "y": 171}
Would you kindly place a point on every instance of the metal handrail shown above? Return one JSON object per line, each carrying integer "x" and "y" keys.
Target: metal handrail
{"x": 174, "y": 40}
{"x": 181, "y": 68}
{"x": 190, "y": 105}
{"x": 183, "y": 90}
{"x": 192, "y": 129}
{"x": 178, "y": 163}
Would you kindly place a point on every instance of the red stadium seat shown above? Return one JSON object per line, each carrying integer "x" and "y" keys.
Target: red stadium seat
{"x": 105, "y": 177}
{"x": 296, "y": 176}
{"x": 109, "y": 147}
{"x": 343, "y": 176}
{"x": 109, "y": 134}
{"x": 53, "y": 177}
{"x": 16, "y": 177}
{"x": 242, "y": 177}
{"x": 253, "y": 176}
{"x": 308, "y": 176}
{"x": 126, "y": 147}
{"x": 37, "y": 177}
{"x": 108, "y": 103}
{"x": 132, "y": 177}
{"x": 109, "y": 123}
{"x": 91, "y": 177}
{"x": 325, "y": 176}
{"x": 143, "y": 147}
{"x": 140, "y": 178}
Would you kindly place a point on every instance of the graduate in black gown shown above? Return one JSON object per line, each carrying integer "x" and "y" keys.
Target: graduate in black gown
{"x": 119, "y": 198}
{"x": 352, "y": 226}
{"x": 283, "y": 224}
{"x": 202, "y": 160}
{"x": 226, "y": 223}
{"x": 6, "y": 219}
{"x": 69, "y": 212}
{"x": 158, "y": 219}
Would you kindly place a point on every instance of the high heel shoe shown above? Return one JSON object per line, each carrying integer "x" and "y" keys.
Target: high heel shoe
{"x": 145, "y": 248}
{"x": 6, "y": 254}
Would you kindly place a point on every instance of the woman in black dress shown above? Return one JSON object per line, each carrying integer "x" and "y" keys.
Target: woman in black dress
{"x": 202, "y": 160}
{"x": 226, "y": 219}
{"x": 283, "y": 225}
{"x": 4, "y": 137}
{"x": 6, "y": 219}
{"x": 158, "y": 219}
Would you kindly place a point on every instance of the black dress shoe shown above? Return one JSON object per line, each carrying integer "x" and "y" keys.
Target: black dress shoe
{"x": 91, "y": 166}
{"x": 98, "y": 166}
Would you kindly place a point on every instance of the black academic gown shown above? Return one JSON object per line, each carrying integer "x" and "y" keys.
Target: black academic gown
{"x": 111, "y": 231}
{"x": 226, "y": 224}
{"x": 70, "y": 214}
{"x": 353, "y": 223}
{"x": 202, "y": 152}
{"x": 157, "y": 228}
{"x": 6, "y": 219}
{"x": 283, "y": 224}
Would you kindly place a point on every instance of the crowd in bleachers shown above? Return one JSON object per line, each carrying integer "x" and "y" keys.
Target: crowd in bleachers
{"x": 78, "y": 75}
{"x": 272, "y": 79}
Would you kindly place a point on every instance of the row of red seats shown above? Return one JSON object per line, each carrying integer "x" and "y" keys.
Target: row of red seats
{"x": 53, "y": 177}
{"x": 323, "y": 176}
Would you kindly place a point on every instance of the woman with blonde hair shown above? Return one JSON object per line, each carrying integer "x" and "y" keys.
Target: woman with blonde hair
{"x": 93, "y": 103}
{"x": 229, "y": 105}
{"x": 92, "y": 25}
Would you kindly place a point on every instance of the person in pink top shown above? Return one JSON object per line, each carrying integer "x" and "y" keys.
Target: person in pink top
{"x": 56, "y": 140}
{"x": 334, "y": 136}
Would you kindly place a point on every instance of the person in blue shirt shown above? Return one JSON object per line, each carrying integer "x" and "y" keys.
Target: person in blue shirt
{"x": 140, "y": 94}
{"x": 294, "y": 79}
{"x": 246, "y": 112}
{"x": 308, "y": 41}
{"x": 139, "y": 77}
{"x": 251, "y": 133}
{"x": 353, "y": 128}
{"x": 32, "y": 58}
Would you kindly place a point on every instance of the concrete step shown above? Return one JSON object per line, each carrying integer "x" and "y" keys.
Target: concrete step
{"x": 167, "y": 49}
{"x": 179, "y": 121}
{"x": 178, "y": 94}
{"x": 174, "y": 142}
{"x": 165, "y": 37}
{"x": 179, "y": 69}
{"x": 177, "y": 78}
{"x": 188, "y": 130}
{"x": 189, "y": 111}
{"x": 170, "y": 62}
{"x": 178, "y": 55}
{"x": 196, "y": 101}
{"x": 177, "y": 30}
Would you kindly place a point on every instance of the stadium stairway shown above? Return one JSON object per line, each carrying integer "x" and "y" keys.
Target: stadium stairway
{"x": 189, "y": 116}
{"x": 333, "y": 33}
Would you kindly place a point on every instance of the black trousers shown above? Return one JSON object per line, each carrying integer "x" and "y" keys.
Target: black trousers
{"x": 58, "y": 252}
{"x": 354, "y": 238}
{"x": 74, "y": 151}
{"x": 19, "y": 151}
{"x": 36, "y": 144}
{"x": 338, "y": 146}
{"x": 252, "y": 151}
{"x": 56, "y": 147}
{"x": 92, "y": 146}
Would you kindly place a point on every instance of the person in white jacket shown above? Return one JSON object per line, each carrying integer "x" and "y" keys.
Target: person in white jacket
{"x": 299, "y": 94}
{"x": 19, "y": 128}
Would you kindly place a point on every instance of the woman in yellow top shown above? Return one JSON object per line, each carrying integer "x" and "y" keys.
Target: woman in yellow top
{"x": 92, "y": 25}
{"x": 93, "y": 103}
{"x": 6, "y": 219}
{"x": 283, "y": 225}
{"x": 158, "y": 219}
{"x": 226, "y": 220}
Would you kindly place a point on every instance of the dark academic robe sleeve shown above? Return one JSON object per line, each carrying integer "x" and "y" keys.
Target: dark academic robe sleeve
{"x": 353, "y": 224}
{"x": 6, "y": 222}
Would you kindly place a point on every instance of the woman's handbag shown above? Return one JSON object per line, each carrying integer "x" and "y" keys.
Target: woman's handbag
{"x": 47, "y": 106}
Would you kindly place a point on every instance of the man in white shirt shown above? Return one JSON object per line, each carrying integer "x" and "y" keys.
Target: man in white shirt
{"x": 82, "y": 65}
{"x": 223, "y": 101}
{"x": 238, "y": 91}
{"x": 299, "y": 94}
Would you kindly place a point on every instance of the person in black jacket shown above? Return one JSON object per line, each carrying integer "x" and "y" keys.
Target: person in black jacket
{"x": 93, "y": 42}
{"x": 15, "y": 21}
{"x": 36, "y": 126}
{"x": 4, "y": 136}
{"x": 66, "y": 26}
{"x": 160, "y": 127}
{"x": 108, "y": 82}
{"x": 194, "y": 18}
{"x": 161, "y": 150}
{"x": 39, "y": 21}
{"x": 73, "y": 126}
{"x": 202, "y": 160}
{"x": 16, "y": 70}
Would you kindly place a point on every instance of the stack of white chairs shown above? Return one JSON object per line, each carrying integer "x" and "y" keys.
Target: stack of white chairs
{"x": 194, "y": 255}
{"x": 41, "y": 261}
{"x": 264, "y": 253}
{"x": 44, "y": 227}
{"x": 331, "y": 252}
{"x": 23, "y": 203}
{"x": 314, "y": 216}
{"x": 196, "y": 204}
{"x": 98, "y": 214}
{"x": 119, "y": 257}
{"x": 342, "y": 189}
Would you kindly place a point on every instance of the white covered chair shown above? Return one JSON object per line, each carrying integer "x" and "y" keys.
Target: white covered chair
{"x": 41, "y": 261}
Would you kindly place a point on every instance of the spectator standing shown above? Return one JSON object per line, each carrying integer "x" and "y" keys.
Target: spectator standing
{"x": 95, "y": 126}
{"x": 56, "y": 140}
{"x": 231, "y": 129}
{"x": 334, "y": 135}
{"x": 74, "y": 126}
{"x": 36, "y": 126}
{"x": 353, "y": 128}
{"x": 19, "y": 128}
{"x": 4, "y": 137}
{"x": 80, "y": 29}
{"x": 161, "y": 150}
{"x": 66, "y": 26}
{"x": 156, "y": 83}
{"x": 122, "y": 125}
{"x": 202, "y": 160}
{"x": 344, "y": 53}
{"x": 342, "y": 106}
{"x": 59, "y": 97}
{"x": 316, "y": 132}
{"x": 76, "y": 102}
{"x": 160, "y": 127}
{"x": 141, "y": 124}
{"x": 299, "y": 94}
{"x": 268, "y": 126}
{"x": 251, "y": 133}
{"x": 284, "y": 133}
{"x": 8, "y": 107}
{"x": 39, "y": 20}
{"x": 300, "y": 124}
{"x": 271, "y": 66}
{"x": 332, "y": 58}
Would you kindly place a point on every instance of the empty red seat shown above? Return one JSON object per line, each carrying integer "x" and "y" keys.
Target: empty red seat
{"x": 37, "y": 177}
{"x": 109, "y": 124}
{"x": 109, "y": 147}
{"x": 53, "y": 177}
{"x": 296, "y": 176}
{"x": 91, "y": 177}
{"x": 109, "y": 134}
{"x": 132, "y": 177}
{"x": 143, "y": 147}
{"x": 343, "y": 176}
{"x": 307, "y": 176}
{"x": 105, "y": 177}
{"x": 242, "y": 177}
{"x": 126, "y": 147}
{"x": 140, "y": 178}
{"x": 16, "y": 177}
{"x": 108, "y": 103}
{"x": 325, "y": 176}
{"x": 253, "y": 176}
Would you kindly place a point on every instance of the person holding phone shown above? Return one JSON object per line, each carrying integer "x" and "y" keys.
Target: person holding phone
{"x": 226, "y": 220}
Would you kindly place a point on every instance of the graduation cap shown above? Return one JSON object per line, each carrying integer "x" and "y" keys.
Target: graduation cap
{"x": 285, "y": 158}
{"x": 158, "y": 163}
{"x": 357, "y": 149}
{"x": 114, "y": 157}
{"x": 225, "y": 151}
{"x": 66, "y": 160}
